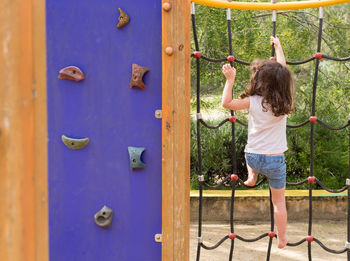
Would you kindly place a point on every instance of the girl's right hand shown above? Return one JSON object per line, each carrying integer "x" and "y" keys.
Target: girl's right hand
{"x": 275, "y": 42}
{"x": 229, "y": 72}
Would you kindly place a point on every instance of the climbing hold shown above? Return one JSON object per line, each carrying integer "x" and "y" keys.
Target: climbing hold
{"x": 197, "y": 54}
{"x": 234, "y": 177}
{"x": 230, "y": 58}
{"x": 310, "y": 238}
{"x": 103, "y": 217}
{"x": 313, "y": 119}
{"x": 137, "y": 74}
{"x": 200, "y": 240}
{"x": 232, "y": 118}
{"x": 311, "y": 179}
{"x": 123, "y": 19}
{"x": 232, "y": 235}
{"x": 166, "y": 6}
{"x": 272, "y": 234}
{"x": 273, "y": 59}
{"x": 75, "y": 144}
{"x": 318, "y": 56}
{"x": 135, "y": 157}
{"x": 71, "y": 73}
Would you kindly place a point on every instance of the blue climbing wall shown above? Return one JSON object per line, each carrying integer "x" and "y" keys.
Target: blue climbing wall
{"x": 105, "y": 109}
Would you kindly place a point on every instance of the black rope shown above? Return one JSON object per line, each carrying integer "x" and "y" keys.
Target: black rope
{"x": 220, "y": 60}
{"x": 237, "y": 181}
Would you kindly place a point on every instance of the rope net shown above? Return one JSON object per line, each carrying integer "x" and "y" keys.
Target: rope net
{"x": 235, "y": 179}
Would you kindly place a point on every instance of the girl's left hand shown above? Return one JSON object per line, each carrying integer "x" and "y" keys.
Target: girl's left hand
{"x": 229, "y": 72}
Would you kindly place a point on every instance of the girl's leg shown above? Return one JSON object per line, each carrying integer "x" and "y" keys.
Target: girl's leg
{"x": 252, "y": 177}
{"x": 280, "y": 213}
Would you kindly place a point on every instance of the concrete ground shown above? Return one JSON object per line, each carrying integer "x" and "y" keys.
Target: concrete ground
{"x": 331, "y": 233}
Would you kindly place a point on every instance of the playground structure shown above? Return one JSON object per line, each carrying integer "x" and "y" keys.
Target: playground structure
{"x": 28, "y": 71}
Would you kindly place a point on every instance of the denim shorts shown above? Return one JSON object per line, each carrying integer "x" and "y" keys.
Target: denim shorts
{"x": 273, "y": 167}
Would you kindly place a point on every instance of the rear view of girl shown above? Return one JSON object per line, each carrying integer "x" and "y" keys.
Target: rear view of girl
{"x": 269, "y": 98}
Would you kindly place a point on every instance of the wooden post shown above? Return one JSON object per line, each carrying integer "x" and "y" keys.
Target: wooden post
{"x": 23, "y": 133}
{"x": 175, "y": 129}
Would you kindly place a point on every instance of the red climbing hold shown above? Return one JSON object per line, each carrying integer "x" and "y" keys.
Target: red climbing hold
{"x": 232, "y": 236}
{"x": 318, "y": 56}
{"x": 230, "y": 58}
{"x": 272, "y": 234}
{"x": 234, "y": 177}
{"x": 197, "y": 54}
{"x": 310, "y": 238}
{"x": 232, "y": 118}
{"x": 273, "y": 59}
{"x": 313, "y": 119}
{"x": 311, "y": 179}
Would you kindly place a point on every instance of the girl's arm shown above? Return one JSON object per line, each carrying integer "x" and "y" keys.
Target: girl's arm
{"x": 227, "y": 101}
{"x": 279, "y": 51}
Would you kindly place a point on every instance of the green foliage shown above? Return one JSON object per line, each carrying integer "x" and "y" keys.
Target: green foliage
{"x": 297, "y": 31}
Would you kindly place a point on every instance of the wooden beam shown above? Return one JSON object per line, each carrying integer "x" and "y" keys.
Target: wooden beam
{"x": 23, "y": 152}
{"x": 176, "y": 130}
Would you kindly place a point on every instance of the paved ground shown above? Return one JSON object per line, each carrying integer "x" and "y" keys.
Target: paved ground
{"x": 331, "y": 233}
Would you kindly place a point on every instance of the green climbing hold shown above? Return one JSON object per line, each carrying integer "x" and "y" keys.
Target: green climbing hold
{"x": 135, "y": 154}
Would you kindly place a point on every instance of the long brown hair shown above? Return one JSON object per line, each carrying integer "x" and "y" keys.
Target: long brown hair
{"x": 274, "y": 83}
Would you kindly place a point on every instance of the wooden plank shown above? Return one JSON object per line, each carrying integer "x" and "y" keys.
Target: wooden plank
{"x": 176, "y": 131}
{"x": 23, "y": 220}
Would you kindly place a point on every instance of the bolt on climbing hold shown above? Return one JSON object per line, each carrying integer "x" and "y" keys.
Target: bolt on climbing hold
{"x": 123, "y": 19}
{"x": 75, "y": 144}
{"x": 135, "y": 154}
{"x": 201, "y": 178}
{"x": 72, "y": 73}
{"x": 347, "y": 182}
{"x": 200, "y": 240}
{"x": 158, "y": 114}
{"x": 199, "y": 116}
{"x": 138, "y": 72}
{"x": 273, "y": 59}
{"x": 103, "y": 217}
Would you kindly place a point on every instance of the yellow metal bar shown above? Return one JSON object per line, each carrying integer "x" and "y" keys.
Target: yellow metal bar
{"x": 269, "y": 6}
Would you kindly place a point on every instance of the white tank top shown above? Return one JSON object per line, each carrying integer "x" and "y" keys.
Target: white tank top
{"x": 266, "y": 132}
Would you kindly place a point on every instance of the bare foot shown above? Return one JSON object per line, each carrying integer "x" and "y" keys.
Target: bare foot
{"x": 252, "y": 177}
{"x": 282, "y": 242}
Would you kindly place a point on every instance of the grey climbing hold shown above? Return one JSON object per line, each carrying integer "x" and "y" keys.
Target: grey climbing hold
{"x": 75, "y": 144}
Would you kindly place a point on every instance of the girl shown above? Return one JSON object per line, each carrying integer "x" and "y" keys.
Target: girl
{"x": 269, "y": 98}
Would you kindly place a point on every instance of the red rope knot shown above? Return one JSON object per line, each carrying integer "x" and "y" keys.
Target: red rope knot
{"x": 273, "y": 59}
{"x": 310, "y": 238}
{"x": 232, "y": 236}
{"x": 230, "y": 58}
{"x": 311, "y": 179}
{"x": 197, "y": 54}
{"x": 272, "y": 234}
{"x": 313, "y": 119}
{"x": 318, "y": 56}
{"x": 232, "y": 118}
{"x": 234, "y": 177}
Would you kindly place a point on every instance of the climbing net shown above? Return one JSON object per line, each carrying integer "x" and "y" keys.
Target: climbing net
{"x": 234, "y": 178}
